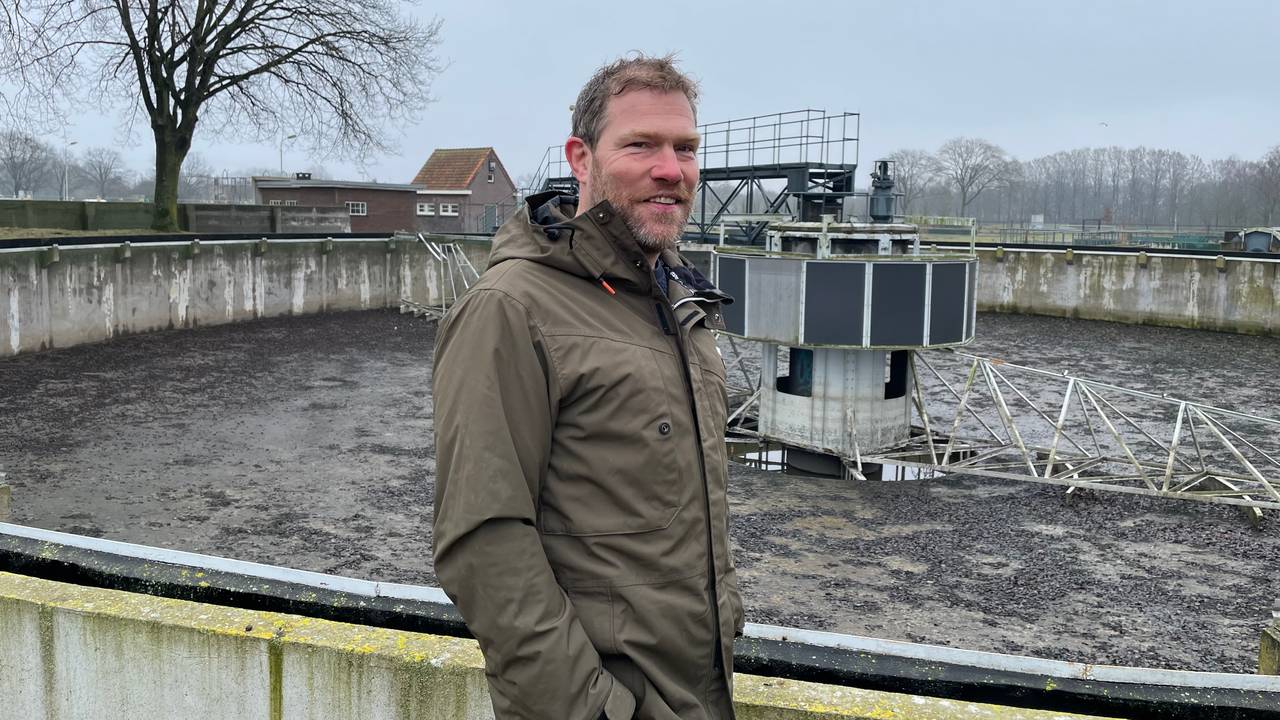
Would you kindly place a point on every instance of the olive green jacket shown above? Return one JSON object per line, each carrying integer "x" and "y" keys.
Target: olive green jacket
{"x": 581, "y": 523}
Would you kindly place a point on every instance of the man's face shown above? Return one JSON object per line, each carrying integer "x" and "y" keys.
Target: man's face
{"x": 645, "y": 164}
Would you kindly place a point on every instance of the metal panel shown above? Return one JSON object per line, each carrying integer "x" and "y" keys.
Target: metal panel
{"x": 773, "y": 284}
{"x": 897, "y": 304}
{"x": 732, "y": 274}
{"x": 972, "y": 300}
{"x": 833, "y": 300}
{"x": 950, "y": 305}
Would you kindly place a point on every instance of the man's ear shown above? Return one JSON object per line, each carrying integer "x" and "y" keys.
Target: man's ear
{"x": 579, "y": 157}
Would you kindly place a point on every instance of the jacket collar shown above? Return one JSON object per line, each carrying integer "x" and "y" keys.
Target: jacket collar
{"x": 605, "y": 249}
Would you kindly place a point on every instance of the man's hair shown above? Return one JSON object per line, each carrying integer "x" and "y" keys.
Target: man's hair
{"x": 641, "y": 72}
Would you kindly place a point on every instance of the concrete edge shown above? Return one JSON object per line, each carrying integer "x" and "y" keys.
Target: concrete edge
{"x": 779, "y": 653}
{"x": 756, "y": 697}
{"x": 1269, "y": 653}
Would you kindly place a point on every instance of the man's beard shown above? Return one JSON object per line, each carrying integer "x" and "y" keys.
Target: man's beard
{"x": 658, "y": 236}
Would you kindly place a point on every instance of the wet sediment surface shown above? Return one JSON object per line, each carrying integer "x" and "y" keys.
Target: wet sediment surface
{"x": 307, "y": 442}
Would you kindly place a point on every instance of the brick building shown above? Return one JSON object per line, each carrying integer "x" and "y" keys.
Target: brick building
{"x": 463, "y": 190}
{"x": 373, "y": 207}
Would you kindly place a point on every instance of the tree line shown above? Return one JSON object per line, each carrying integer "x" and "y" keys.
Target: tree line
{"x": 34, "y": 168}
{"x": 31, "y": 167}
{"x": 1140, "y": 186}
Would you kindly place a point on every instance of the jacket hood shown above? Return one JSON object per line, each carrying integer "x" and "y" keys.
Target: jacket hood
{"x": 596, "y": 245}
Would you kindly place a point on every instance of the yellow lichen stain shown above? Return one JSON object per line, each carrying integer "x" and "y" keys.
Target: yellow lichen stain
{"x": 812, "y": 701}
{"x": 432, "y": 658}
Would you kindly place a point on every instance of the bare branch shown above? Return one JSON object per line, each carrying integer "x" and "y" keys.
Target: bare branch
{"x": 339, "y": 73}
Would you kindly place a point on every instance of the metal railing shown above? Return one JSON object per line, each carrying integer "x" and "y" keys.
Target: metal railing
{"x": 785, "y": 138}
{"x": 794, "y": 137}
{"x": 454, "y": 272}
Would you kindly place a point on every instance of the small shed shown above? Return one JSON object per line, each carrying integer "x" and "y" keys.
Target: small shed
{"x": 1263, "y": 239}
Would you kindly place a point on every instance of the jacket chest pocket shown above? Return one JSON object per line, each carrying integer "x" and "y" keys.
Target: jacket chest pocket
{"x": 615, "y": 448}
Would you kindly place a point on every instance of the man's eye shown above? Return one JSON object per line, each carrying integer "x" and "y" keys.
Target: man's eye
{"x": 639, "y": 144}
{"x": 686, "y": 149}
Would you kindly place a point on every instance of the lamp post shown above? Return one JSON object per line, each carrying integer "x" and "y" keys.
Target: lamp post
{"x": 282, "y": 152}
{"x": 66, "y": 161}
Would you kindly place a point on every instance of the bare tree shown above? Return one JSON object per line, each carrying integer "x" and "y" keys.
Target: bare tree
{"x": 330, "y": 71}
{"x": 1268, "y": 181}
{"x": 972, "y": 166}
{"x": 104, "y": 168}
{"x": 914, "y": 171}
{"x": 24, "y": 160}
{"x": 195, "y": 183}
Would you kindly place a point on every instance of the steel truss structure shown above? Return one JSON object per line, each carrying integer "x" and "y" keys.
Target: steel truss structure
{"x": 810, "y": 154}
{"x": 982, "y": 416}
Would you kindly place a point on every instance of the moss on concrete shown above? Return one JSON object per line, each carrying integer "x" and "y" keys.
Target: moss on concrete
{"x": 1269, "y": 656}
{"x": 762, "y": 698}
{"x": 237, "y": 622}
{"x": 330, "y": 666}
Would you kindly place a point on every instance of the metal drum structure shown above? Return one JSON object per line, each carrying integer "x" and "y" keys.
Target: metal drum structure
{"x": 849, "y": 302}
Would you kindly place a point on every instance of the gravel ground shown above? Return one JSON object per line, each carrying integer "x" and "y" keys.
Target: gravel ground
{"x": 308, "y": 442}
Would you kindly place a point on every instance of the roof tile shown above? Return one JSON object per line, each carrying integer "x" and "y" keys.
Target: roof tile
{"x": 452, "y": 168}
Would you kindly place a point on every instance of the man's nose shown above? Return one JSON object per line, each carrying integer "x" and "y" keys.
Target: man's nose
{"x": 666, "y": 166}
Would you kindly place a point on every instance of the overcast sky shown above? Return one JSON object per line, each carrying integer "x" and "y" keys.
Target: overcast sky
{"x": 1033, "y": 77}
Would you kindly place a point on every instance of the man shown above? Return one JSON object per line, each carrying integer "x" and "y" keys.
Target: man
{"x": 581, "y": 525}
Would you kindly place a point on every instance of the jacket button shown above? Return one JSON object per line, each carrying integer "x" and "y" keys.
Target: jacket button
{"x": 664, "y": 428}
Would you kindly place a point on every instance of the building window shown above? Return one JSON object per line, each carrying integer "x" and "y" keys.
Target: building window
{"x": 290, "y": 203}
{"x": 426, "y": 208}
{"x": 493, "y": 166}
{"x": 273, "y": 202}
{"x": 357, "y": 208}
{"x": 449, "y": 209}
{"x": 490, "y": 177}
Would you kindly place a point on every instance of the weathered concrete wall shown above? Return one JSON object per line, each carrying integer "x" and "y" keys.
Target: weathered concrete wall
{"x": 264, "y": 219}
{"x": 93, "y": 293}
{"x": 192, "y": 217}
{"x": 227, "y": 218}
{"x": 68, "y": 651}
{"x": 41, "y": 213}
{"x": 319, "y": 220}
{"x": 1227, "y": 294}
{"x": 1269, "y": 653}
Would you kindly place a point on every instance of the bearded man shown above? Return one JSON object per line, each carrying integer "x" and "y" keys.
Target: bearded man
{"x": 581, "y": 524}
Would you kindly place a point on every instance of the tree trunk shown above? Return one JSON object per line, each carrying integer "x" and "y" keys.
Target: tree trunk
{"x": 171, "y": 150}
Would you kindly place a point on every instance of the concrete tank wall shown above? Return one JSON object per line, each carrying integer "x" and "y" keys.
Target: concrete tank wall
{"x": 87, "y": 294}
{"x": 69, "y": 651}
{"x": 1228, "y": 294}
{"x": 92, "y": 293}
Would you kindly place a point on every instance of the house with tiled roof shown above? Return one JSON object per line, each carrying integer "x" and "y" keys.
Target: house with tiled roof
{"x": 463, "y": 190}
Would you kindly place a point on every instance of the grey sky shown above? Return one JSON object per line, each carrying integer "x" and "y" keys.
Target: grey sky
{"x": 1033, "y": 77}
